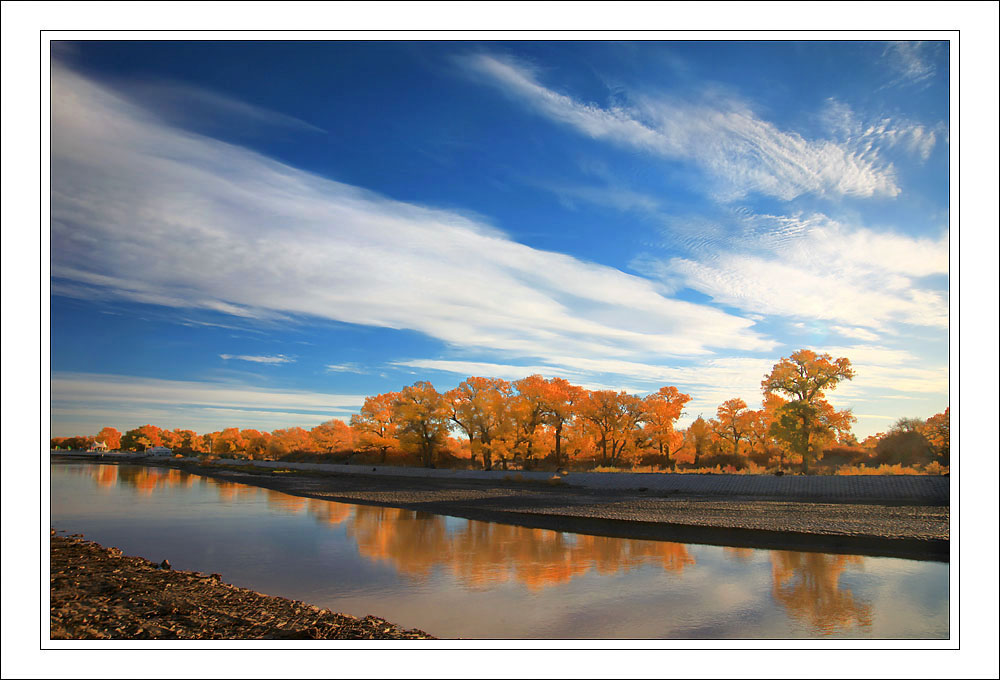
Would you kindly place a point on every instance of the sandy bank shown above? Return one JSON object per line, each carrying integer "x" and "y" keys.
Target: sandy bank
{"x": 99, "y": 593}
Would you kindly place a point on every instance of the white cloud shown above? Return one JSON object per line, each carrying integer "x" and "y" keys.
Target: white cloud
{"x": 76, "y": 420}
{"x": 910, "y": 62}
{"x": 101, "y": 389}
{"x": 617, "y": 197}
{"x": 816, "y": 268}
{"x": 723, "y": 137}
{"x": 488, "y": 369}
{"x": 186, "y": 104}
{"x": 85, "y": 402}
{"x": 349, "y": 367}
{"x": 915, "y": 138}
{"x": 856, "y": 333}
{"x": 279, "y": 359}
{"x": 150, "y": 213}
{"x": 870, "y": 354}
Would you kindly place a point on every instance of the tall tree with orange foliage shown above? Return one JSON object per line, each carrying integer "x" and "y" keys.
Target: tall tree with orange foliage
{"x": 937, "y": 431}
{"x": 142, "y": 438}
{"x": 375, "y": 424}
{"x": 332, "y": 436}
{"x": 662, "y": 409}
{"x": 111, "y": 437}
{"x": 289, "y": 440}
{"x": 562, "y": 401}
{"x": 255, "y": 443}
{"x": 422, "y": 420}
{"x": 481, "y": 406}
{"x": 698, "y": 439}
{"x": 616, "y": 417}
{"x": 759, "y": 438}
{"x": 528, "y": 410}
{"x": 808, "y": 418}
{"x": 228, "y": 442}
{"x": 732, "y": 423}
{"x": 186, "y": 439}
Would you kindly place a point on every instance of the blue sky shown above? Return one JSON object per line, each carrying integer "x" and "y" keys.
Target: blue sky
{"x": 259, "y": 234}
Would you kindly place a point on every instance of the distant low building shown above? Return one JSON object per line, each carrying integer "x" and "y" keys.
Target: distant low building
{"x": 99, "y": 446}
{"x": 159, "y": 451}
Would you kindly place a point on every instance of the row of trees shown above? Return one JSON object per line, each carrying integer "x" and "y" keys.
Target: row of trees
{"x": 491, "y": 422}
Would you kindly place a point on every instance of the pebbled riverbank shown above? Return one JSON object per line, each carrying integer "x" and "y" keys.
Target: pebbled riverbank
{"x": 99, "y": 593}
{"x": 904, "y": 520}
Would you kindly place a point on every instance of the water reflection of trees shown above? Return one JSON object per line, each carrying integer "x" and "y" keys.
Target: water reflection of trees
{"x": 482, "y": 554}
{"x": 808, "y": 586}
{"x": 479, "y": 554}
{"x": 142, "y": 479}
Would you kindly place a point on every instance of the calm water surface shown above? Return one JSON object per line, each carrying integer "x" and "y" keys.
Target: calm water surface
{"x": 459, "y": 578}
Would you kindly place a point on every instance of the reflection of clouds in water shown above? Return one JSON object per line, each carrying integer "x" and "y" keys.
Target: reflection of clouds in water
{"x": 907, "y": 597}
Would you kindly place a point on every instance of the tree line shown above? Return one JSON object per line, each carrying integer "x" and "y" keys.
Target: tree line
{"x": 550, "y": 423}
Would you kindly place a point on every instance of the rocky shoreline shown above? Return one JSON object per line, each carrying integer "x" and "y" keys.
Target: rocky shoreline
{"x": 98, "y": 593}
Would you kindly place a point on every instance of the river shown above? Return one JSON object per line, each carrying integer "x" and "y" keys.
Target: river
{"x": 454, "y": 577}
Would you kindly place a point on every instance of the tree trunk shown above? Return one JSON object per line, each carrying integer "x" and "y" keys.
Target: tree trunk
{"x": 487, "y": 455}
{"x": 805, "y": 452}
{"x": 558, "y": 443}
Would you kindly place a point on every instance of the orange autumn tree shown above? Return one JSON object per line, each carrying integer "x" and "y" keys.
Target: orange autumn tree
{"x": 228, "y": 442}
{"x": 255, "y": 443}
{"x": 662, "y": 410}
{"x": 806, "y": 422}
{"x": 481, "y": 407}
{"x": 561, "y": 401}
{"x": 288, "y": 440}
{"x": 111, "y": 437}
{"x": 937, "y": 431}
{"x": 142, "y": 438}
{"x": 332, "y": 436}
{"x": 615, "y": 417}
{"x": 421, "y": 414}
{"x": 763, "y": 448}
{"x": 697, "y": 441}
{"x": 529, "y": 409}
{"x": 732, "y": 423}
{"x": 375, "y": 425}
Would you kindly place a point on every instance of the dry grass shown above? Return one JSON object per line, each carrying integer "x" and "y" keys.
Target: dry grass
{"x": 932, "y": 469}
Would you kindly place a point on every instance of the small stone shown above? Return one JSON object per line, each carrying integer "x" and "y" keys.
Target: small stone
{"x": 165, "y": 564}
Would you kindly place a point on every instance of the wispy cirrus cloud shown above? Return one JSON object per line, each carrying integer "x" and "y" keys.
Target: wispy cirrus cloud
{"x": 882, "y": 131}
{"x": 278, "y": 359}
{"x": 86, "y": 402}
{"x": 723, "y": 137}
{"x": 855, "y": 332}
{"x": 911, "y": 63}
{"x": 186, "y": 105}
{"x": 349, "y": 367}
{"x": 102, "y": 388}
{"x": 148, "y": 212}
{"x": 817, "y": 268}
